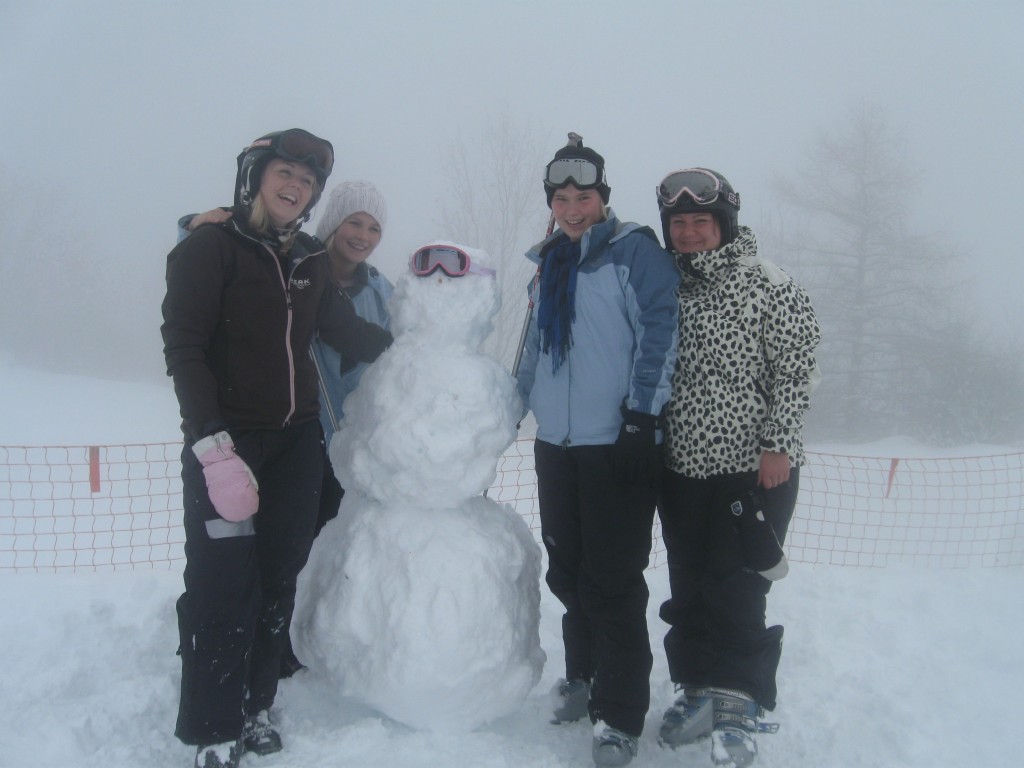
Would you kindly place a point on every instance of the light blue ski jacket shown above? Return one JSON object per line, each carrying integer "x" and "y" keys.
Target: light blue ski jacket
{"x": 370, "y": 297}
{"x": 624, "y": 338}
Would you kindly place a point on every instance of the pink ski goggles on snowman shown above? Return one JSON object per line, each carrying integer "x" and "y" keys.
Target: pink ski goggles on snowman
{"x": 453, "y": 261}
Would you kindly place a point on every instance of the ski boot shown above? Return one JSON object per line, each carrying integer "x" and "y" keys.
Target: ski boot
{"x": 736, "y": 721}
{"x": 224, "y": 755}
{"x": 569, "y": 701}
{"x": 688, "y": 720}
{"x": 611, "y": 747}
{"x": 259, "y": 735}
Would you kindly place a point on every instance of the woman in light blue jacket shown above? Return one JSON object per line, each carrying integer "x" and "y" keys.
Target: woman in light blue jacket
{"x": 351, "y": 227}
{"x": 596, "y": 370}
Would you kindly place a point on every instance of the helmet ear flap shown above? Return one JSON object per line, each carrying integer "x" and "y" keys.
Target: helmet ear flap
{"x": 247, "y": 181}
{"x": 727, "y": 225}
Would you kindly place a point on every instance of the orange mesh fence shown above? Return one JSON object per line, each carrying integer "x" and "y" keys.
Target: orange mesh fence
{"x": 109, "y": 507}
{"x": 114, "y": 507}
{"x": 936, "y": 512}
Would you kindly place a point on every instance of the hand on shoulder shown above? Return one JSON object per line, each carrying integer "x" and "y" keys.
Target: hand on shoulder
{"x": 215, "y": 216}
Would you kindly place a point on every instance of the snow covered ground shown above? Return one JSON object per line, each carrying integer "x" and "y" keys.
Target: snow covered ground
{"x": 882, "y": 667}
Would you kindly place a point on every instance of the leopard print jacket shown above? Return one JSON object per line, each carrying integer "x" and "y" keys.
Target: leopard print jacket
{"x": 746, "y": 369}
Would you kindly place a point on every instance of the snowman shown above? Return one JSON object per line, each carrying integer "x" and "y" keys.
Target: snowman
{"x": 422, "y": 599}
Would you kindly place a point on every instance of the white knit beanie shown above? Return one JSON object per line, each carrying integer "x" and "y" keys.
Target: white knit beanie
{"x": 347, "y": 198}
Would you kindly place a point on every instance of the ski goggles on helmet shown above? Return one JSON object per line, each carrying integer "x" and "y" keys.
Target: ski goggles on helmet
{"x": 702, "y": 186}
{"x": 575, "y": 170}
{"x": 300, "y": 146}
{"x": 453, "y": 261}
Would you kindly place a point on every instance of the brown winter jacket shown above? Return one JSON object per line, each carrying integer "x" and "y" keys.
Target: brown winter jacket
{"x": 238, "y": 322}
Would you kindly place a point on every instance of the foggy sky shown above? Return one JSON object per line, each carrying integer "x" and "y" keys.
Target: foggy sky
{"x": 135, "y": 110}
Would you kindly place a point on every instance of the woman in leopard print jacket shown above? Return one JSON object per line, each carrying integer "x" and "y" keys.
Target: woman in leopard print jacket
{"x": 743, "y": 379}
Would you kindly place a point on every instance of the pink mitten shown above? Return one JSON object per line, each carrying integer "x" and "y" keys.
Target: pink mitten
{"x": 232, "y": 486}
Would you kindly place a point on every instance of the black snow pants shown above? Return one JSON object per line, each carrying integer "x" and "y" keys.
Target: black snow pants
{"x": 717, "y": 608}
{"x": 597, "y": 533}
{"x": 240, "y": 581}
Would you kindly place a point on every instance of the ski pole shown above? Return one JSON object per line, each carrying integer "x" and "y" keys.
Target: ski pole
{"x": 575, "y": 140}
{"x": 323, "y": 391}
{"x": 526, "y": 325}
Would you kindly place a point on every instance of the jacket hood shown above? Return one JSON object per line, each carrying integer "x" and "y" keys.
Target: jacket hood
{"x": 705, "y": 265}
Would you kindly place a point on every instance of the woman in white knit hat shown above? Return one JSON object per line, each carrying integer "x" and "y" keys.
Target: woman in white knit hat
{"x": 351, "y": 227}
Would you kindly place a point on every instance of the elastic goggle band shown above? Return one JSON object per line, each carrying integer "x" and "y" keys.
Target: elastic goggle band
{"x": 702, "y": 186}
{"x": 454, "y": 262}
{"x": 300, "y": 146}
{"x": 577, "y": 170}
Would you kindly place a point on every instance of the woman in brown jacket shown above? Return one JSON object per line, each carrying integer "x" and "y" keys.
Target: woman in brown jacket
{"x": 244, "y": 300}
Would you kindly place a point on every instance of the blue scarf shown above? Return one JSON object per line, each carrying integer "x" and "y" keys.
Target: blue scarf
{"x": 557, "y": 308}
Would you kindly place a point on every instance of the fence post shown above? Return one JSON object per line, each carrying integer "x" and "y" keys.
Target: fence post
{"x": 892, "y": 476}
{"x": 94, "y": 468}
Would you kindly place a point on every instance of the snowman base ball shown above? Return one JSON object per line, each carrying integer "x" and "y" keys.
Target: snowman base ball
{"x": 433, "y": 625}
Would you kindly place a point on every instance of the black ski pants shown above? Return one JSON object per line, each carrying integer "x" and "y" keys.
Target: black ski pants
{"x": 597, "y": 533}
{"x": 717, "y": 608}
{"x": 240, "y": 581}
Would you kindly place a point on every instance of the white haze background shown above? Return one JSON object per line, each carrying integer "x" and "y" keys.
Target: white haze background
{"x": 117, "y": 116}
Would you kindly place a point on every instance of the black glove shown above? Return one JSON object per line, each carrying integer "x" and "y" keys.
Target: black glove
{"x": 636, "y": 457}
{"x": 762, "y": 551}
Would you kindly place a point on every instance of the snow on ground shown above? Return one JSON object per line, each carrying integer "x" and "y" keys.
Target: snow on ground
{"x": 882, "y": 667}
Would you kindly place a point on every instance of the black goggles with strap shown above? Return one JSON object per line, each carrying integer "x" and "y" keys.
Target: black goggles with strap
{"x": 300, "y": 146}
{"x": 573, "y": 170}
{"x": 702, "y": 186}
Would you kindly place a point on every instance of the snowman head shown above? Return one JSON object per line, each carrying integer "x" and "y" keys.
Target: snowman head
{"x": 451, "y": 291}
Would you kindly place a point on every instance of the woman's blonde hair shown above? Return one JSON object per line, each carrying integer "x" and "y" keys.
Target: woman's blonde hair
{"x": 259, "y": 217}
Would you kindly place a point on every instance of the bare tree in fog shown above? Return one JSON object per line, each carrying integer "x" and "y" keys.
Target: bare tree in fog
{"x": 976, "y": 394}
{"x": 495, "y": 201}
{"x": 893, "y": 327}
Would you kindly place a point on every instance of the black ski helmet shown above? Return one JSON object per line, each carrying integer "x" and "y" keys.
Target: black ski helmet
{"x": 699, "y": 190}
{"x": 293, "y": 144}
{"x": 584, "y": 156}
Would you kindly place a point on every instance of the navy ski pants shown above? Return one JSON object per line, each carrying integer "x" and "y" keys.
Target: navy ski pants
{"x": 240, "y": 581}
{"x": 717, "y": 609}
{"x": 597, "y": 533}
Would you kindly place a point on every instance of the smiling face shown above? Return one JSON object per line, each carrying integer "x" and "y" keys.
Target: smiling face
{"x": 694, "y": 232}
{"x": 286, "y": 188}
{"x": 353, "y": 241}
{"x": 576, "y": 210}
